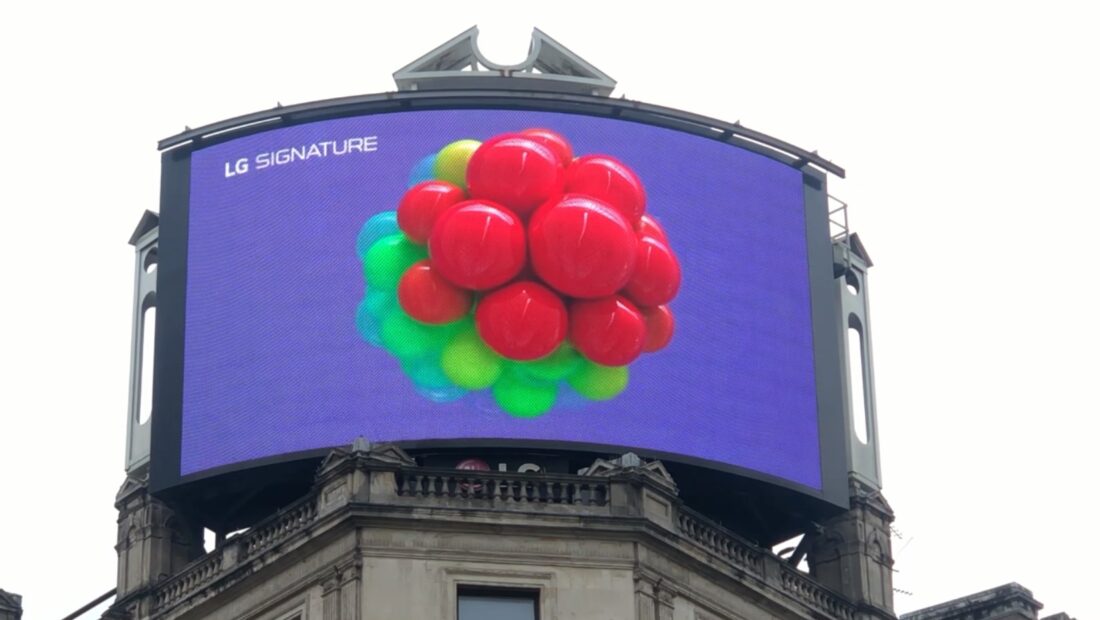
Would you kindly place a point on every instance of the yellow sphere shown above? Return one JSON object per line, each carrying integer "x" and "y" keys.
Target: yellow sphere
{"x": 450, "y": 163}
{"x": 469, "y": 363}
{"x": 598, "y": 382}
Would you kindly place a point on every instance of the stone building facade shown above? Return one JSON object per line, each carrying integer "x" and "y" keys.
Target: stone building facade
{"x": 11, "y": 606}
{"x": 379, "y": 537}
{"x": 1008, "y": 602}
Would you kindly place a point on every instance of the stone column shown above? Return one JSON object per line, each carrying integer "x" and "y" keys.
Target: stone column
{"x": 666, "y": 602}
{"x": 653, "y": 600}
{"x": 645, "y": 599}
{"x": 852, "y": 554}
{"x": 340, "y": 592}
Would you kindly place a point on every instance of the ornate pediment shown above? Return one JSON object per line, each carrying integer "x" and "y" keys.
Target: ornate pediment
{"x": 135, "y": 483}
{"x": 631, "y": 463}
{"x": 363, "y": 452}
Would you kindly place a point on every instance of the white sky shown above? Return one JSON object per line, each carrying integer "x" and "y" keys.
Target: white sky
{"x": 969, "y": 132}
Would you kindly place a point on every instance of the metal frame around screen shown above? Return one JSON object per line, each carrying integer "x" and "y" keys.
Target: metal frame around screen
{"x": 172, "y": 271}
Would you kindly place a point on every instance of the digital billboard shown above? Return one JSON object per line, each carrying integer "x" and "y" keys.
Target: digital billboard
{"x": 504, "y": 277}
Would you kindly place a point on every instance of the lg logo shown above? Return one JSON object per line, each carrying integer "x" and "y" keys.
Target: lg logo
{"x": 480, "y": 465}
{"x": 238, "y": 167}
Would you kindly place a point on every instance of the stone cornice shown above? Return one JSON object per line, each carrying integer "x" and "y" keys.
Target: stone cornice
{"x": 992, "y": 603}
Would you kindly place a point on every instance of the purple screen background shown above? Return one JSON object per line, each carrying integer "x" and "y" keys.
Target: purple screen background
{"x": 273, "y": 363}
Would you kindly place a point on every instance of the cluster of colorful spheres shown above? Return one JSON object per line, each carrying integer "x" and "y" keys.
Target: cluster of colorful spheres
{"x": 514, "y": 267}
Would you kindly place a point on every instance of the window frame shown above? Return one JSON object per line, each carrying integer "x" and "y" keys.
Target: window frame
{"x": 533, "y": 594}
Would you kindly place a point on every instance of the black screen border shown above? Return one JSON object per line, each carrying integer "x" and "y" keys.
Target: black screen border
{"x": 172, "y": 278}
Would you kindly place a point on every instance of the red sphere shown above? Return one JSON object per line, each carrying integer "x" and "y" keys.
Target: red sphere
{"x": 515, "y": 171}
{"x": 610, "y": 180}
{"x": 478, "y": 245}
{"x": 473, "y": 464}
{"x": 522, "y": 321}
{"x": 609, "y": 331}
{"x": 422, "y": 204}
{"x": 659, "y": 327}
{"x": 553, "y": 141}
{"x": 656, "y": 276}
{"x": 648, "y": 227}
{"x": 582, "y": 247}
{"x": 429, "y": 298}
{"x": 527, "y": 273}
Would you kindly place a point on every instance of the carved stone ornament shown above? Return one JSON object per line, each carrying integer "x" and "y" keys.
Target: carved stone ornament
{"x": 631, "y": 462}
{"x": 364, "y": 452}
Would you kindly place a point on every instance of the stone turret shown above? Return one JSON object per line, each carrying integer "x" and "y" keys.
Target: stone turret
{"x": 154, "y": 543}
{"x": 852, "y": 554}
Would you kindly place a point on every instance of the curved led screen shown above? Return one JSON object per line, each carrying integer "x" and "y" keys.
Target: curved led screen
{"x": 304, "y": 317}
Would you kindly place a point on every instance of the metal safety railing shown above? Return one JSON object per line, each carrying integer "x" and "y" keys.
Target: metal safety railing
{"x": 838, "y": 220}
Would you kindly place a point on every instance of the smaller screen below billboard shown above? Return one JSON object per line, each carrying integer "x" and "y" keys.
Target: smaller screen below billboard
{"x": 312, "y": 319}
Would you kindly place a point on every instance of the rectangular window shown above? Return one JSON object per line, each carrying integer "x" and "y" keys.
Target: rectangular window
{"x": 475, "y": 603}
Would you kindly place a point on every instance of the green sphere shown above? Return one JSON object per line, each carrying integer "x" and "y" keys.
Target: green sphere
{"x": 597, "y": 382}
{"x": 469, "y": 363}
{"x": 407, "y": 338}
{"x": 450, "y": 163}
{"x": 387, "y": 260}
{"x": 563, "y": 362}
{"x": 523, "y": 400}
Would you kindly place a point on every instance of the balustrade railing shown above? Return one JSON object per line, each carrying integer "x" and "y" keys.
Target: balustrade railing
{"x": 263, "y": 536}
{"x": 811, "y": 593}
{"x": 195, "y": 576}
{"x": 504, "y": 487}
{"x": 720, "y": 541}
{"x": 277, "y": 528}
